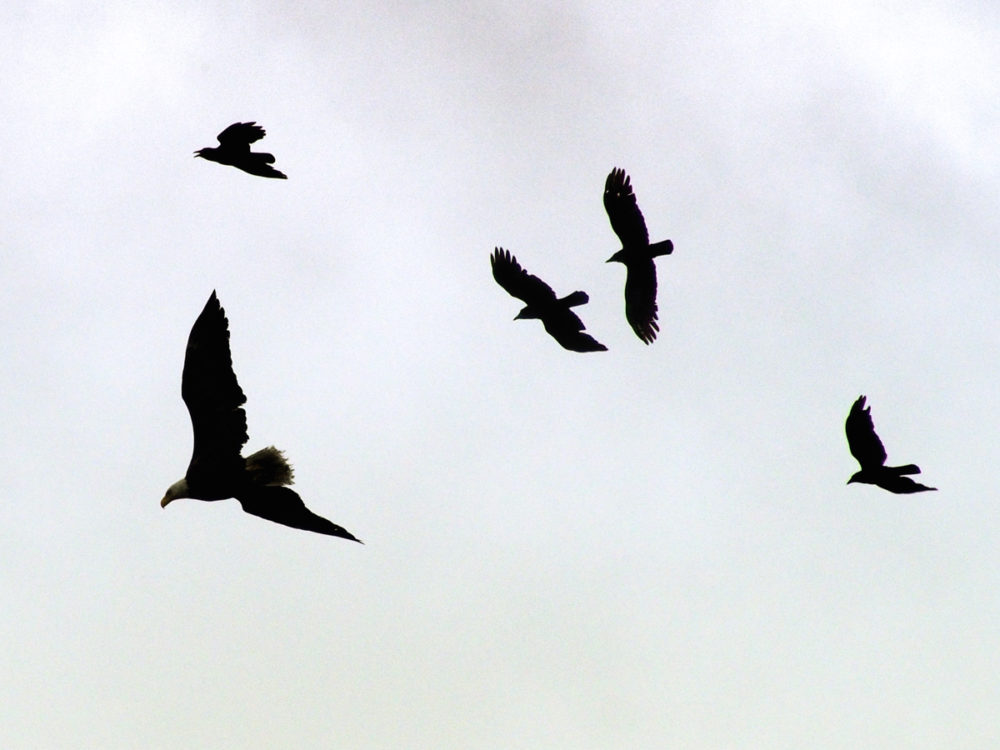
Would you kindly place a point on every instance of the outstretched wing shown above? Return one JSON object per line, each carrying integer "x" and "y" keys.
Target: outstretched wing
{"x": 904, "y": 486}
{"x": 623, "y": 211}
{"x": 570, "y": 335}
{"x": 283, "y": 505}
{"x": 518, "y": 282}
{"x": 214, "y": 398}
{"x": 861, "y": 438}
{"x": 640, "y": 300}
{"x": 241, "y": 135}
{"x": 259, "y": 164}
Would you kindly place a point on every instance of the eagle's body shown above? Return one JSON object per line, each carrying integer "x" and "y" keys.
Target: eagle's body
{"x": 218, "y": 470}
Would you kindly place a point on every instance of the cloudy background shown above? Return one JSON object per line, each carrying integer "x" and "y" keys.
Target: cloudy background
{"x": 645, "y": 548}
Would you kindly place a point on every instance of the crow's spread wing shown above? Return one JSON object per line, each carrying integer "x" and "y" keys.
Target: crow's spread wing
{"x": 571, "y": 336}
{"x": 905, "y": 486}
{"x": 640, "y": 300}
{"x": 861, "y": 438}
{"x": 518, "y": 282}
{"x": 623, "y": 211}
{"x": 258, "y": 163}
{"x": 241, "y": 135}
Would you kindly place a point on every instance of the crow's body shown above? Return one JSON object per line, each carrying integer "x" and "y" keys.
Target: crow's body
{"x": 636, "y": 254}
{"x": 234, "y": 151}
{"x": 868, "y": 450}
{"x": 541, "y": 302}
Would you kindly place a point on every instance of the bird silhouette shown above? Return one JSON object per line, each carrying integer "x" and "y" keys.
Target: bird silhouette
{"x": 868, "y": 450}
{"x": 541, "y": 302}
{"x": 636, "y": 253}
{"x": 234, "y": 150}
{"x": 218, "y": 470}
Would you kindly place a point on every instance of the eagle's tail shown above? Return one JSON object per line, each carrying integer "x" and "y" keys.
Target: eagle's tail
{"x": 268, "y": 466}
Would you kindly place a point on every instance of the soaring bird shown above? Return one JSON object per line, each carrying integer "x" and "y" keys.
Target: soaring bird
{"x": 868, "y": 449}
{"x": 217, "y": 470}
{"x": 234, "y": 150}
{"x": 540, "y": 301}
{"x": 636, "y": 253}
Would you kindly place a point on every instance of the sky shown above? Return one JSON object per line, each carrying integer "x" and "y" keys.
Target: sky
{"x": 648, "y": 547}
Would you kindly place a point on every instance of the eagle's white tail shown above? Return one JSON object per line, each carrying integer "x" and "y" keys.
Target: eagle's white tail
{"x": 268, "y": 466}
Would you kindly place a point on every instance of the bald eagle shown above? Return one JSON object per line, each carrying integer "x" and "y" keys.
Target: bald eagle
{"x": 636, "y": 254}
{"x": 560, "y": 322}
{"x": 218, "y": 470}
{"x": 234, "y": 150}
{"x": 868, "y": 450}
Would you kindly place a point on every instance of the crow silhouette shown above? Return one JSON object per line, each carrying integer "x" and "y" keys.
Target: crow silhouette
{"x": 217, "y": 470}
{"x": 234, "y": 150}
{"x": 636, "y": 253}
{"x": 868, "y": 449}
{"x": 560, "y": 322}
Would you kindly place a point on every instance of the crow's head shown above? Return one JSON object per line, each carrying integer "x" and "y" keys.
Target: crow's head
{"x": 527, "y": 313}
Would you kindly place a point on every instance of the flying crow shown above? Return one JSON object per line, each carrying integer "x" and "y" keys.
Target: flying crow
{"x": 234, "y": 150}
{"x": 868, "y": 449}
{"x": 217, "y": 469}
{"x": 560, "y": 322}
{"x": 636, "y": 253}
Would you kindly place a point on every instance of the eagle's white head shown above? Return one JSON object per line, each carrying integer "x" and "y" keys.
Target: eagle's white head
{"x": 174, "y": 491}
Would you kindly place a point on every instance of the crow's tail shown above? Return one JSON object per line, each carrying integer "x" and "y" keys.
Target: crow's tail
{"x": 576, "y": 298}
{"x": 661, "y": 248}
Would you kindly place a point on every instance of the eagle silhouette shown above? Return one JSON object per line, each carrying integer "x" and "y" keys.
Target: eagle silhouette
{"x": 218, "y": 470}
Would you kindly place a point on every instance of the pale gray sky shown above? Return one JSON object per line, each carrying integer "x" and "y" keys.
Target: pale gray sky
{"x": 651, "y": 547}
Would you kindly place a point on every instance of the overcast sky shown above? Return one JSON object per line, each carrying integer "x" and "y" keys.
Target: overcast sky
{"x": 649, "y": 547}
